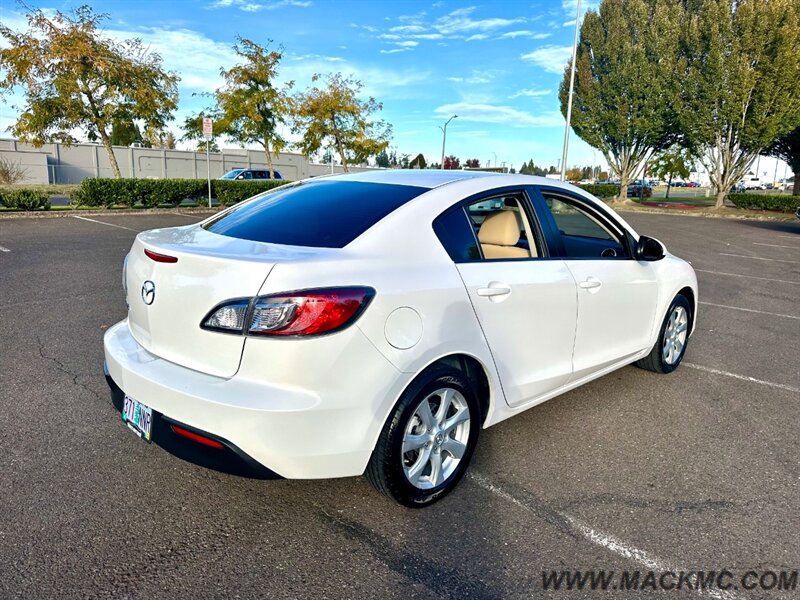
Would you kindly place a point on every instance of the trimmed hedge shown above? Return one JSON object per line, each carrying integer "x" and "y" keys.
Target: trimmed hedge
{"x": 25, "y": 199}
{"x": 783, "y": 203}
{"x": 601, "y": 190}
{"x": 149, "y": 193}
{"x": 231, "y": 191}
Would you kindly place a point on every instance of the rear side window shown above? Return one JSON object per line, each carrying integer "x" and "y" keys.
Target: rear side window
{"x": 320, "y": 214}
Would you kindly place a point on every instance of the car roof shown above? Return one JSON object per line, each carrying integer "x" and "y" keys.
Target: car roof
{"x": 434, "y": 178}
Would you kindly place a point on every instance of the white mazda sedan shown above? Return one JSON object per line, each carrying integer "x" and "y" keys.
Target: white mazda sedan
{"x": 375, "y": 323}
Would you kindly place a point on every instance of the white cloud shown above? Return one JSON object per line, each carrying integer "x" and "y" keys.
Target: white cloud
{"x": 195, "y": 57}
{"x": 505, "y": 115}
{"x": 406, "y": 44}
{"x": 427, "y": 36}
{"x": 459, "y": 21}
{"x": 524, "y": 33}
{"x": 477, "y": 77}
{"x": 477, "y": 37}
{"x": 407, "y": 29}
{"x": 252, "y": 7}
{"x": 550, "y": 58}
{"x": 530, "y": 93}
{"x": 395, "y": 50}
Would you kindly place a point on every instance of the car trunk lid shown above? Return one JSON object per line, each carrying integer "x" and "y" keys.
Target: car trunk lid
{"x": 185, "y": 273}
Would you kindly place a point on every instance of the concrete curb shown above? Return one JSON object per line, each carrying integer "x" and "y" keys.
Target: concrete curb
{"x": 108, "y": 213}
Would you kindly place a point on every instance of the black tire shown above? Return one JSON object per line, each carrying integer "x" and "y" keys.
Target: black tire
{"x": 655, "y": 360}
{"x": 385, "y": 469}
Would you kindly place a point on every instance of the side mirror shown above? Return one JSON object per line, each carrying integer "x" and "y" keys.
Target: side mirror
{"x": 649, "y": 249}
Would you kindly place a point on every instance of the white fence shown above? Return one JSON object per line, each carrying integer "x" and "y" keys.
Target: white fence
{"x": 56, "y": 163}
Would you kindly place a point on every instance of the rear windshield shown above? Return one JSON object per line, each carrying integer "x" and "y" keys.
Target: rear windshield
{"x": 321, "y": 214}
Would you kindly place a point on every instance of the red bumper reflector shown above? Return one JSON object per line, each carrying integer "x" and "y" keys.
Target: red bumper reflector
{"x": 196, "y": 437}
{"x": 160, "y": 257}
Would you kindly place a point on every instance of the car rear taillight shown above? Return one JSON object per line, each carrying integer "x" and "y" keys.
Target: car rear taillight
{"x": 158, "y": 257}
{"x": 303, "y": 313}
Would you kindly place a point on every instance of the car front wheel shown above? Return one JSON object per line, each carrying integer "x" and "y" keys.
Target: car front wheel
{"x": 673, "y": 337}
{"x": 427, "y": 442}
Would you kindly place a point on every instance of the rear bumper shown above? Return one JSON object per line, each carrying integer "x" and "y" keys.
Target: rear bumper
{"x": 268, "y": 422}
{"x": 230, "y": 459}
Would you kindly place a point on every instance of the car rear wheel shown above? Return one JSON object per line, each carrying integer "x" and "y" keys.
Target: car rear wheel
{"x": 668, "y": 351}
{"x": 427, "y": 442}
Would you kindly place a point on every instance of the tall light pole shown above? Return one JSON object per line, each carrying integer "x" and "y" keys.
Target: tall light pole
{"x": 444, "y": 135}
{"x": 495, "y": 158}
{"x": 571, "y": 90}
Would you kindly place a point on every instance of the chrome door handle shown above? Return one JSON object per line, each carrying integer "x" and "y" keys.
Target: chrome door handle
{"x": 590, "y": 283}
{"x": 494, "y": 291}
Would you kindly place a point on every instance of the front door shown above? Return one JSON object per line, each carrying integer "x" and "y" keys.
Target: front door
{"x": 616, "y": 293}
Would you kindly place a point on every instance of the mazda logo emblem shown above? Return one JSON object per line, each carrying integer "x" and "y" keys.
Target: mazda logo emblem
{"x": 148, "y": 292}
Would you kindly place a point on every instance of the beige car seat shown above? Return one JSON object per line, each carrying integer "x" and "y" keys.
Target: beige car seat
{"x": 499, "y": 234}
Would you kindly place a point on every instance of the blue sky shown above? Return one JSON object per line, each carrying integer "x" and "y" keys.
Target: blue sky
{"x": 496, "y": 65}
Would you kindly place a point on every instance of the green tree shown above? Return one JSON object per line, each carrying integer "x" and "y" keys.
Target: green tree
{"x": 787, "y": 148}
{"x": 125, "y": 132}
{"x": 624, "y": 67}
{"x": 159, "y": 138}
{"x": 75, "y": 78}
{"x": 740, "y": 84}
{"x": 334, "y": 112}
{"x": 671, "y": 162}
{"x": 418, "y": 162}
{"x": 251, "y": 108}
{"x": 473, "y": 163}
{"x": 193, "y": 128}
{"x": 382, "y": 159}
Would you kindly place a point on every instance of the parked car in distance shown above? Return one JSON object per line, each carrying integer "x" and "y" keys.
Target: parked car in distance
{"x": 242, "y": 174}
{"x": 692, "y": 184}
{"x": 678, "y": 184}
{"x": 754, "y": 183}
{"x": 376, "y": 322}
{"x": 640, "y": 190}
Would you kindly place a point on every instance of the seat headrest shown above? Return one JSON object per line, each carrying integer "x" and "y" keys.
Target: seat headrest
{"x": 500, "y": 229}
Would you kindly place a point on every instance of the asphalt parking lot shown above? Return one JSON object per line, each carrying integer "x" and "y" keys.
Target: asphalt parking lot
{"x": 635, "y": 471}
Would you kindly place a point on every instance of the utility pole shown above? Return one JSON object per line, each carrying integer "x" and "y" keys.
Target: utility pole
{"x": 444, "y": 135}
{"x": 571, "y": 92}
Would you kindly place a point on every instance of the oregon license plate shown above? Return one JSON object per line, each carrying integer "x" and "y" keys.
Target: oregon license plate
{"x": 138, "y": 417}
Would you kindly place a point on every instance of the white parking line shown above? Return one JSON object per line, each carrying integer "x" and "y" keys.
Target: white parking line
{"x": 102, "y": 223}
{"x": 599, "y": 538}
{"x": 779, "y": 386}
{"x": 747, "y": 276}
{"x": 4, "y": 249}
{"x": 752, "y": 310}
{"x": 777, "y": 246}
{"x": 757, "y": 257}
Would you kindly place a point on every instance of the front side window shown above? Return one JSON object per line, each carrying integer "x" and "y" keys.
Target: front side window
{"x": 583, "y": 232}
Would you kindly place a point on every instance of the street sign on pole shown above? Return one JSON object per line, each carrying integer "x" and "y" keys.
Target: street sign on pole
{"x": 208, "y": 134}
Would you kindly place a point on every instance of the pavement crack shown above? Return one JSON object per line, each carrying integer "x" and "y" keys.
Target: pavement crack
{"x": 61, "y": 367}
{"x": 444, "y": 581}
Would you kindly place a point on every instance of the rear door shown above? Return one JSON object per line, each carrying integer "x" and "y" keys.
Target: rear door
{"x": 526, "y": 304}
{"x": 617, "y": 294}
